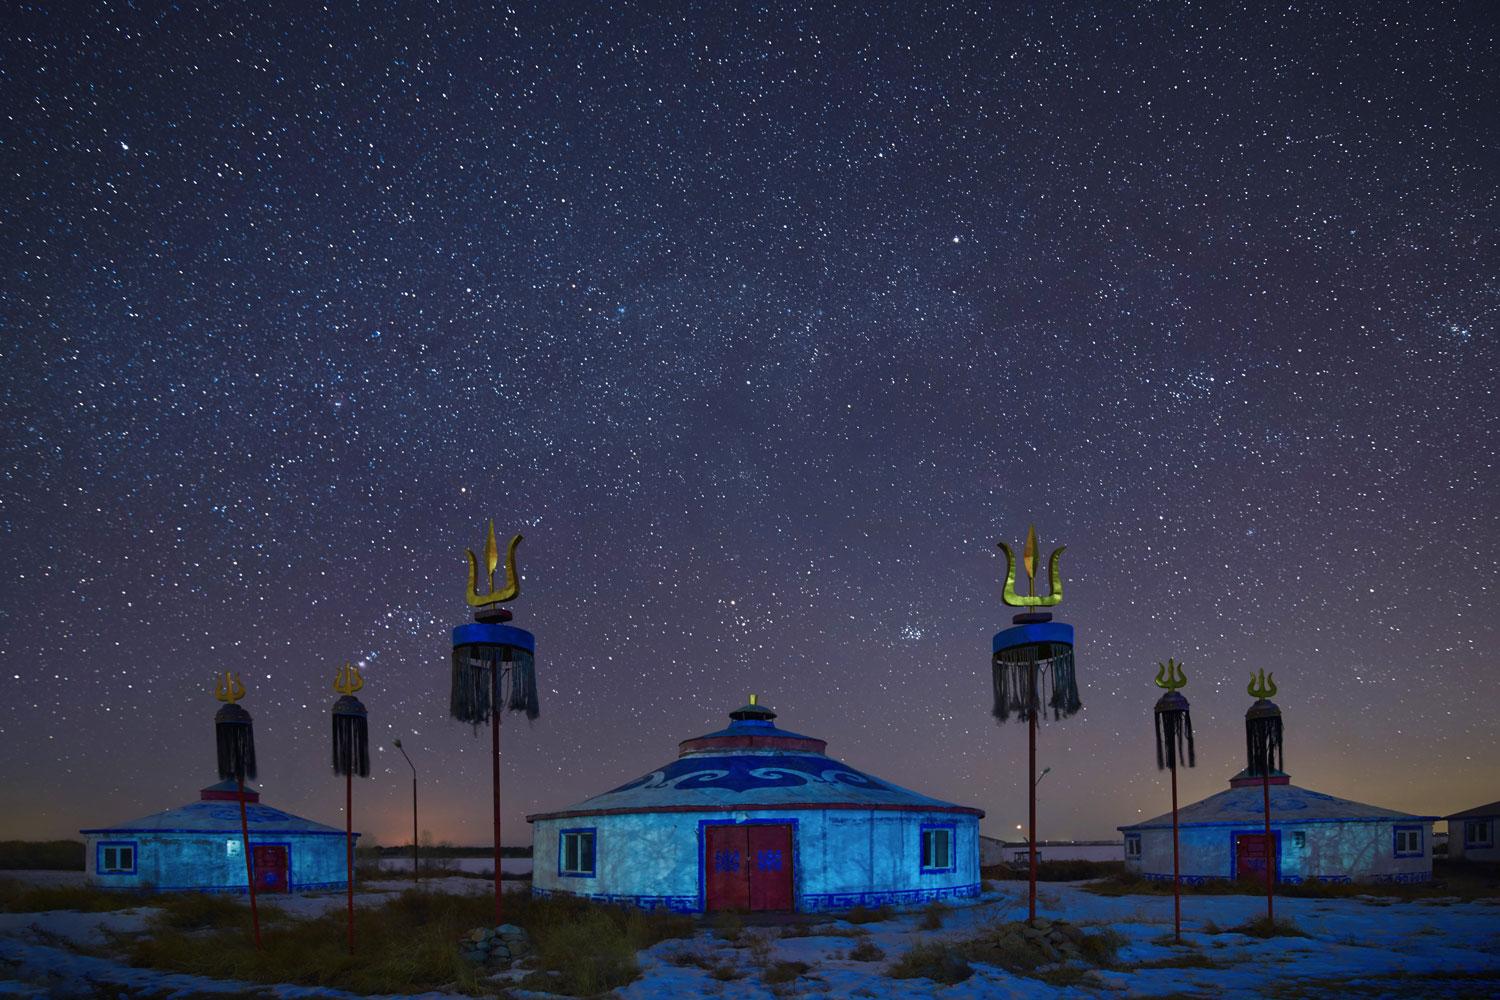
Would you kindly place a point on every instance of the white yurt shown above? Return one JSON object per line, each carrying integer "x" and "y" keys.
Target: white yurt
{"x": 756, "y": 818}
{"x": 199, "y": 847}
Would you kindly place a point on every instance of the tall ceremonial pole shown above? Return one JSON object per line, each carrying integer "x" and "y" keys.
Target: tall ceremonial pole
{"x": 351, "y": 756}
{"x": 1263, "y": 748}
{"x": 235, "y": 737}
{"x": 1037, "y": 652}
{"x": 494, "y": 667}
{"x": 1174, "y": 728}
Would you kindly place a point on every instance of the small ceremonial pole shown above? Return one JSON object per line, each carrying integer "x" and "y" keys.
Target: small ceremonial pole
{"x": 1036, "y": 645}
{"x": 1263, "y": 747}
{"x": 236, "y": 745}
{"x": 1174, "y": 726}
{"x": 482, "y": 653}
{"x": 351, "y": 755}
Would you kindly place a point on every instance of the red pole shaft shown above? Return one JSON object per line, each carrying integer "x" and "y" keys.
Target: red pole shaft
{"x": 249, "y": 863}
{"x": 1270, "y": 859}
{"x": 414, "y": 829}
{"x": 1176, "y": 873}
{"x": 1031, "y": 778}
{"x": 495, "y": 772}
{"x": 349, "y": 849}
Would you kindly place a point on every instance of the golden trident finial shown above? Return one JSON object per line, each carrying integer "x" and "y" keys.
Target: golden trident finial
{"x": 348, "y": 680}
{"x": 1028, "y": 556}
{"x": 1172, "y": 671}
{"x": 1265, "y": 689}
{"x": 492, "y": 559}
{"x": 229, "y": 688}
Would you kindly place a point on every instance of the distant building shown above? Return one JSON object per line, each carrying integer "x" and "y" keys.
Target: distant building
{"x": 198, "y": 847}
{"x": 1313, "y": 836}
{"x": 1471, "y": 834}
{"x": 997, "y": 852}
{"x": 756, "y": 818}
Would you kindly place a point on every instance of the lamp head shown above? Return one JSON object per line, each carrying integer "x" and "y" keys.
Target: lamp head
{"x": 398, "y": 744}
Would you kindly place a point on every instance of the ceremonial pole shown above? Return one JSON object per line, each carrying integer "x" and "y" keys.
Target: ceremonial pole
{"x": 1035, "y": 650}
{"x": 351, "y": 756}
{"x": 1263, "y": 747}
{"x": 1174, "y": 727}
{"x": 235, "y": 738}
{"x": 485, "y": 653}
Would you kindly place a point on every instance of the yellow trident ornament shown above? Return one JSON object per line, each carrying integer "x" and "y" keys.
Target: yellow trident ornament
{"x": 229, "y": 688}
{"x": 1172, "y": 671}
{"x": 1029, "y": 557}
{"x": 512, "y": 586}
{"x": 348, "y": 680}
{"x": 1265, "y": 689}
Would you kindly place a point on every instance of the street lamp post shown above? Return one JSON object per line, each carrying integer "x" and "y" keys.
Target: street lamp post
{"x": 414, "y": 869}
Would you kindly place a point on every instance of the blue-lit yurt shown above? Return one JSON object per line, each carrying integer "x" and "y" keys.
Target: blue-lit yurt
{"x": 198, "y": 848}
{"x": 1313, "y": 835}
{"x": 753, "y": 817}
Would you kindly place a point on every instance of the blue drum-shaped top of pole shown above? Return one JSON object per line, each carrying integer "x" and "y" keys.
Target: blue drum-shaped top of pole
{"x": 1034, "y": 635}
{"x": 482, "y": 634}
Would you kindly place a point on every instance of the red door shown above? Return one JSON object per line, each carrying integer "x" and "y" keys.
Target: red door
{"x": 270, "y": 867}
{"x": 747, "y": 867}
{"x": 1250, "y": 856}
{"x": 769, "y": 858}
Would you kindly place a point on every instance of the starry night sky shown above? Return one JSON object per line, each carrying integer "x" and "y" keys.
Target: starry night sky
{"x": 763, "y": 325}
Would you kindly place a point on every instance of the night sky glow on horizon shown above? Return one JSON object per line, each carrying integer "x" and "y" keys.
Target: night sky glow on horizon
{"x": 762, "y": 325}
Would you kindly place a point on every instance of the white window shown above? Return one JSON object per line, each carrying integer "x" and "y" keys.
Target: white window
{"x": 1408, "y": 841}
{"x": 117, "y": 858}
{"x": 1479, "y": 832}
{"x": 1133, "y": 845}
{"x": 937, "y": 848}
{"x": 576, "y": 853}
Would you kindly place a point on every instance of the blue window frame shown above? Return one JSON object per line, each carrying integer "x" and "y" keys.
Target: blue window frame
{"x": 576, "y": 853}
{"x": 1479, "y": 833}
{"x": 1408, "y": 841}
{"x": 1132, "y": 847}
{"x": 939, "y": 843}
{"x": 116, "y": 857}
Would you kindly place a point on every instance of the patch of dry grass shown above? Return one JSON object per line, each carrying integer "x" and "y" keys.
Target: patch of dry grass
{"x": 934, "y": 960}
{"x": 19, "y": 897}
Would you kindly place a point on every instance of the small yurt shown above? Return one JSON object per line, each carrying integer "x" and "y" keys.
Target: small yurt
{"x": 753, "y": 817}
{"x": 1471, "y": 834}
{"x": 199, "y": 848}
{"x": 1313, "y": 835}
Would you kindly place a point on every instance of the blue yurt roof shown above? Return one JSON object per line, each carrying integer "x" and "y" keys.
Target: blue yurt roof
{"x": 219, "y": 813}
{"x": 754, "y": 765}
{"x": 1245, "y": 805}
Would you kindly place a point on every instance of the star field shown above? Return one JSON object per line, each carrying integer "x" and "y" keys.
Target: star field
{"x": 762, "y": 324}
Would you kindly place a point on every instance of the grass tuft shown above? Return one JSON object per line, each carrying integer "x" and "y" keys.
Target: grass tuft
{"x": 1262, "y": 927}
{"x": 867, "y": 951}
{"x": 931, "y": 960}
{"x": 18, "y": 897}
{"x": 865, "y": 915}
{"x": 933, "y": 914}
{"x": 784, "y": 972}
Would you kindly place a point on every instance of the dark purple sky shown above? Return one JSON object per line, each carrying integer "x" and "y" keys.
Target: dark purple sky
{"x": 763, "y": 326}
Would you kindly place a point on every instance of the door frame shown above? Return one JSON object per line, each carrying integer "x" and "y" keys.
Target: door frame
{"x": 704, "y": 824}
{"x": 286, "y": 846}
{"x": 1234, "y": 849}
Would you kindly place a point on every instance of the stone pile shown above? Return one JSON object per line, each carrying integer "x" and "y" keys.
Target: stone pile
{"x": 495, "y": 946}
{"x": 1051, "y": 940}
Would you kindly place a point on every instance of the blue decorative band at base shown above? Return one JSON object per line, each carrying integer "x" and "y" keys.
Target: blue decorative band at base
{"x": 1323, "y": 879}
{"x": 677, "y": 904}
{"x": 1405, "y": 877}
{"x": 226, "y": 890}
{"x": 1186, "y": 879}
{"x": 824, "y": 902}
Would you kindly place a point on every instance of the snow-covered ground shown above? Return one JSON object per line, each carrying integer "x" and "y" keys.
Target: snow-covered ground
{"x": 1364, "y": 947}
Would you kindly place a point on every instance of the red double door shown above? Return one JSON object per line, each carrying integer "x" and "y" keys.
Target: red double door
{"x": 748, "y": 867}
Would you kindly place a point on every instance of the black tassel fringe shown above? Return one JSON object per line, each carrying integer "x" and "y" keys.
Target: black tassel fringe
{"x": 236, "y": 743}
{"x": 1052, "y": 664}
{"x": 1263, "y": 743}
{"x": 469, "y": 699}
{"x": 1174, "y": 728}
{"x": 351, "y": 738}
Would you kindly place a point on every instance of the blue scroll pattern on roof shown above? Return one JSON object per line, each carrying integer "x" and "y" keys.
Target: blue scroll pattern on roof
{"x": 741, "y": 773}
